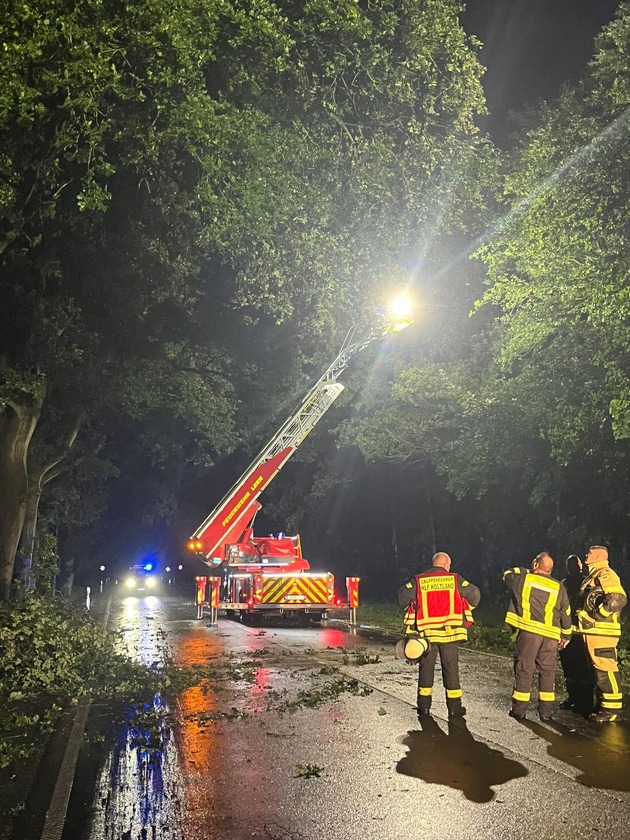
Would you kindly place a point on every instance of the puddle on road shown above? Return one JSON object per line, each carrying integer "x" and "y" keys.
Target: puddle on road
{"x": 137, "y": 791}
{"x": 146, "y": 771}
{"x": 602, "y": 762}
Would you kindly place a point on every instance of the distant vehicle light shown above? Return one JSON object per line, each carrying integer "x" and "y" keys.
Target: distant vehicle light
{"x": 180, "y": 568}
{"x": 168, "y": 569}
{"x": 130, "y": 582}
{"x": 151, "y": 582}
{"x": 148, "y": 567}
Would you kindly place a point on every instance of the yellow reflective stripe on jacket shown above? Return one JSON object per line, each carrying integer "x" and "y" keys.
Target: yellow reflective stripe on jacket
{"x": 533, "y": 626}
{"x": 551, "y": 603}
{"x": 452, "y": 620}
{"x": 447, "y": 634}
{"x": 526, "y": 600}
{"x": 549, "y": 585}
{"x": 590, "y": 626}
{"x": 534, "y": 605}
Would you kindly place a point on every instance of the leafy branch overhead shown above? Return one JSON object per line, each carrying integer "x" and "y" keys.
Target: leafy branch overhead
{"x": 178, "y": 181}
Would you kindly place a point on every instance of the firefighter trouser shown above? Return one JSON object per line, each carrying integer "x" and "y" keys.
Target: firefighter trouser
{"x": 602, "y": 651}
{"x": 534, "y": 652}
{"x": 578, "y": 674}
{"x": 449, "y": 659}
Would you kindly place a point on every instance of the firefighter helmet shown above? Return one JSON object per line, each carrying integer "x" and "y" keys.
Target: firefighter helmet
{"x": 412, "y": 648}
{"x": 592, "y": 600}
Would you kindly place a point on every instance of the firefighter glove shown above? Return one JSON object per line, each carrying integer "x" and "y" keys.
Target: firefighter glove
{"x": 586, "y": 622}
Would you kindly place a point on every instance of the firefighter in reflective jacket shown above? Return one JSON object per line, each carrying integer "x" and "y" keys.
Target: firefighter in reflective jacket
{"x": 438, "y": 606}
{"x": 599, "y": 603}
{"x": 539, "y": 609}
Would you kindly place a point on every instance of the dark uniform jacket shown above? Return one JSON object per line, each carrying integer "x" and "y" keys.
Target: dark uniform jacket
{"x": 438, "y": 605}
{"x": 539, "y": 604}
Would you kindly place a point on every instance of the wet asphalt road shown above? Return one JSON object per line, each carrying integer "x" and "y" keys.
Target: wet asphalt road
{"x": 265, "y": 750}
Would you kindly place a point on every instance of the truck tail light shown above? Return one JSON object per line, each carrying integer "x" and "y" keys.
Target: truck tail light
{"x": 330, "y": 586}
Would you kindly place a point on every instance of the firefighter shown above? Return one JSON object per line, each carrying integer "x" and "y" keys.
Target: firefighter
{"x": 540, "y": 612}
{"x": 438, "y": 606}
{"x": 600, "y": 601}
{"x": 576, "y": 665}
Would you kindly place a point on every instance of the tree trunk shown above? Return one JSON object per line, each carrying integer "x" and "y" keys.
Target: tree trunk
{"x": 17, "y": 424}
{"x": 38, "y": 477}
{"x": 29, "y": 531}
{"x": 65, "y": 578}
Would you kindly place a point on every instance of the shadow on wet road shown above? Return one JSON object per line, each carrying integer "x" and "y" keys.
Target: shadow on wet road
{"x": 454, "y": 759}
{"x": 603, "y": 760}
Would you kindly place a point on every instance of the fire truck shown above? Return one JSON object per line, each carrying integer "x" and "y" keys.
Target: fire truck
{"x": 268, "y": 576}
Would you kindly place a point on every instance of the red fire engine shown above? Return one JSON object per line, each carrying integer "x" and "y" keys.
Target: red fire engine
{"x": 268, "y": 576}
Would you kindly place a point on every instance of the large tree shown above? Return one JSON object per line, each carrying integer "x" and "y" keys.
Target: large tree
{"x": 530, "y": 415}
{"x": 164, "y": 164}
{"x": 559, "y": 267}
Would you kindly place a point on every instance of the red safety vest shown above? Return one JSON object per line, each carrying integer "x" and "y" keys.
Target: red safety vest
{"x": 438, "y": 603}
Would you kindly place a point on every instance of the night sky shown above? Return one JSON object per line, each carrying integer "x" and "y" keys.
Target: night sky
{"x": 531, "y": 47}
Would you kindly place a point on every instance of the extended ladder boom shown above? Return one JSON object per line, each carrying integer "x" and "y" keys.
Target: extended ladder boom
{"x": 238, "y": 507}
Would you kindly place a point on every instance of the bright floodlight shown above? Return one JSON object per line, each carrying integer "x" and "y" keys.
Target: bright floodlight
{"x": 398, "y": 314}
{"x": 400, "y": 308}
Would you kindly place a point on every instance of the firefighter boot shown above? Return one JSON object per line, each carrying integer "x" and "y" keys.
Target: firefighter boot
{"x": 458, "y": 712}
{"x": 454, "y": 704}
{"x": 603, "y": 716}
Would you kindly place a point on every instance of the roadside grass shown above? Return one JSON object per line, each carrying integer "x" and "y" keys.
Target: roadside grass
{"x": 488, "y": 633}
